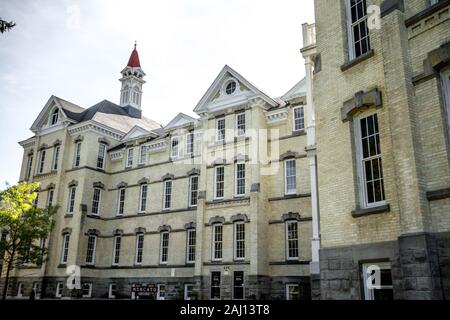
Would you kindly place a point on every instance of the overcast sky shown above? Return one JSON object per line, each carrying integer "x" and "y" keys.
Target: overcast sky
{"x": 75, "y": 49}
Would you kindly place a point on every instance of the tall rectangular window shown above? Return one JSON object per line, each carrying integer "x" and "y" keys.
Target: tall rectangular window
{"x": 55, "y": 158}
{"x": 116, "y": 250}
{"x": 101, "y": 156}
{"x": 139, "y": 248}
{"x": 190, "y": 143}
{"x": 65, "y": 249}
{"x": 370, "y": 166}
{"x": 292, "y": 240}
{"x": 219, "y": 184}
{"x": 167, "y": 198}
{"x": 164, "y": 247}
{"x": 174, "y": 147}
{"x": 217, "y": 242}
{"x": 142, "y": 155}
{"x": 290, "y": 176}
{"x": 77, "y": 155}
{"x": 220, "y": 129}
{"x": 193, "y": 191}
{"x": 29, "y": 166}
{"x": 112, "y": 291}
{"x": 239, "y": 241}
{"x": 358, "y": 31}
{"x": 299, "y": 118}
{"x": 191, "y": 242}
{"x": 86, "y": 290}
{"x": 50, "y": 196}
{"x": 377, "y": 291}
{"x": 96, "y": 201}
{"x": 130, "y": 153}
{"x": 446, "y": 87}
{"x": 41, "y": 162}
{"x": 121, "y": 201}
{"x": 90, "y": 253}
{"x": 240, "y": 124}
{"x": 59, "y": 289}
{"x": 215, "y": 285}
{"x": 238, "y": 285}
{"x": 240, "y": 179}
{"x": 292, "y": 291}
{"x": 143, "y": 198}
{"x": 71, "y": 203}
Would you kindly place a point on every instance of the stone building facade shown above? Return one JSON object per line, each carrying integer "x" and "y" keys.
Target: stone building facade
{"x": 381, "y": 98}
{"x": 214, "y": 207}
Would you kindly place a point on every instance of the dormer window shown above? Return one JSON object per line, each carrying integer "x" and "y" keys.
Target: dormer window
{"x": 231, "y": 87}
{"x": 54, "y": 117}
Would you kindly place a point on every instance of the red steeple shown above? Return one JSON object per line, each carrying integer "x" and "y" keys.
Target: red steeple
{"x": 134, "y": 59}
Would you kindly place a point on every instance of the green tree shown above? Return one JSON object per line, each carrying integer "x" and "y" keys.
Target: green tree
{"x": 6, "y": 26}
{"x": 25, "y": 226}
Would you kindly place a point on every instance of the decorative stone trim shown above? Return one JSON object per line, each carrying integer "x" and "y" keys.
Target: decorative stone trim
{"x": 104, "y": 141}
{"x": 122, "y": 185}
{"x": 216, "y": 219}
{"x": 93, "y": 232}
{"x": 78, "y": 139}
{"x": 164, "y": 228}
{"x": 143, "y": 181}
{"x": 167, "y": 176}
{"x": 193, "y": 172}
{"x": 389, "y": 6}
{"x": 66, "y": 231}
{"x": 290, "y": 216}
{"x": 73, "y": 183}
{"x": 51, "y": 186}
{"x": 219, "y": 162}
{"x": 426, "y": 13}
{"x": 30, "y": 153}
{"x": 241, "y": 158}
{"x": 362, "y": 100}
{"x": 57, "y": 143}
{"x": 240, "y": 217}
{"x": 277, "y": 116}
{"x": 371, "y": 211}
{"x": 43, "y": 147}
{"x": 117, "y": 232}
{"x": 438, "y": 194}
{"x": 99, "y": 185}
{"x": 140, "y": 230}
{"x": 190, "y": 225}
{"x": 288, "y": 154}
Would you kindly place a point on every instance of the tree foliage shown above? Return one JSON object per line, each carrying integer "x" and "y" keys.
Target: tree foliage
{"x": 6, "y": 26}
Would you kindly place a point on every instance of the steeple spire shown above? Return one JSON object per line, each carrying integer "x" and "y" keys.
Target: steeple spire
{"x": 132, "y": 81}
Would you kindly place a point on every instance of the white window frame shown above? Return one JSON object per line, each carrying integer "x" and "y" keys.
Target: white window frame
{"x": 20, "y": 287}
{"x": 287, "y": 240}
{"x": 37, "y": 289}
{"x": 99, "y": 202}
{"x": 350, "y": 35}
{"x": 55, "y": 160}
{"x": 29, "y": 167}
{"x": 142, "y": 155}
{"x": 186, "y": 291}
{"x": 216, "y": 197}
{"x": 89, "y": 284}
{"x": 139, "y": 250}
{"x": 191, "y": 243}
{"x": 142, "y": 203}
{"x": 94, "y": 249}
{"x": 120, "y": 201}
{"x": 235, "y": 240}
{"x": 72, "y": 198}
{"x": 214, "y": 231}
{"x": 362, "y": 185}
{"x": 175, "y": 149}
{"x": 189, "y": 143}
{"x": 59, "y": 289}
{"x": 220, "y": 285}
{"x": 241, "y": 128}
{"x": 164, "y": 248}
{"x": 191, "y": 191}
{"x": 116, "y": 250}
{"x": 166, "y": 194}
{"x": 446, "y": 87}
{"x": 369, "y": 293}
{"x": 110, "y": 290}
{"x": 130, "y": 155}
{"x": 101, "y": 158}
{"x": 236, "y": 179}
{"x": 158, "y": 293}
{"x": 77, "y": 155}
{"x": 219, "y": 136}
{"x": 50, "y": 197}
{"x": 286, "y": 191}
{"x": 291, "y": 285}
{"x": 301, "y": 119}
{"x": 41, "y": 164}
{"x": 52, "y": 122}
{"x": 65, "y": 249}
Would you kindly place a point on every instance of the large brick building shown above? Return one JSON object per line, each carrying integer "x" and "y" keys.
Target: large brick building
{"x": 381, "y": 95}
{"x": 183, "y": 210}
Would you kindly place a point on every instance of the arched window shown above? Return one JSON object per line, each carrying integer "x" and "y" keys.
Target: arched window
{"x": 54, "y": 117}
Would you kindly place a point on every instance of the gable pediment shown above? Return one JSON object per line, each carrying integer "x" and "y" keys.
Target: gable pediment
{"x": 136, "y": 132}
{"x": 181, "y": 120}
{"x": 42, "y": 122}
{"x": 231, "y": 90}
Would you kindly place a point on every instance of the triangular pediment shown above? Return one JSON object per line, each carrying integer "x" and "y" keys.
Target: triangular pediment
{"x": 136, "y": 132}
{"x": 181, "y": 120}
{"x": 42, "y": 121}
{"x": 230, "y": 90}
{"x": 297, "y": 91}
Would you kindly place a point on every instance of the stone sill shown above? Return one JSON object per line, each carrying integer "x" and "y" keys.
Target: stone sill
{"x": 68, "y": 215}
{"x": 289, "y": 262}
{"x": 371, "y": 211}
{"x": 358, "y": 60}
{"x": 438, "y": 194}
{"x": 292, "y": 196}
